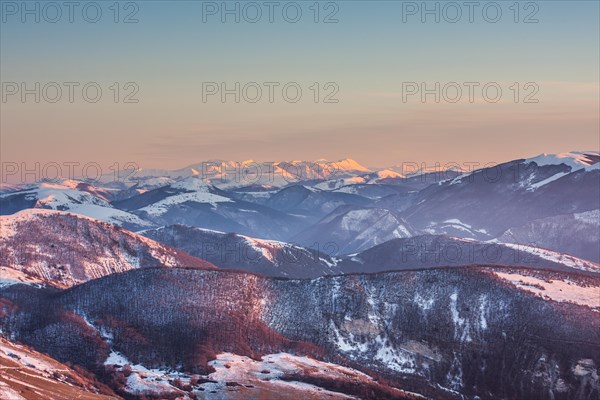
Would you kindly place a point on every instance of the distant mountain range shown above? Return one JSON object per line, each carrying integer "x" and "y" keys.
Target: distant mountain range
{"x": 61, "y": 249}
{"x": 328, "y": 280}
{"x": 359, "y": 211}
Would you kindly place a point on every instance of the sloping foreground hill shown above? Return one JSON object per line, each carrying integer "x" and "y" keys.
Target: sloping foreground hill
{"x": 492, "y": 332}
{"x": 62, "y": 249}
{"x": 29, "y": 375}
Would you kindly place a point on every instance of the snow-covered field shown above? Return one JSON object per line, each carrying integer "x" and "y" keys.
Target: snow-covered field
{"x": 565, "y": 259}
{"x": 11, "y": 276}
{"x": 28, "y": 375}
{"x": 66, "y": 196}
{"x": 237, "y": 376}
{"x": 555, "y": 289}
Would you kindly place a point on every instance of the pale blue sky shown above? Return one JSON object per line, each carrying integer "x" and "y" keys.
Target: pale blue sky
{"x": 368, "y": 53}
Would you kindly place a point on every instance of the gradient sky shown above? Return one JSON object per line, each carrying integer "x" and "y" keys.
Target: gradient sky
{"x": 368, "y": 53}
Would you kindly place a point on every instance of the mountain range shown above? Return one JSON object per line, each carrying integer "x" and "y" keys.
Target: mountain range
{"x": 227, "y": 280}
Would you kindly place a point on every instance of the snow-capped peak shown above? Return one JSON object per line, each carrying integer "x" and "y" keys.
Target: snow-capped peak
{"x": 574, "y": 159}
{"x": 349, "y": 164}
{"x": 193, "y": 184}
{"x": 388, "y": 174}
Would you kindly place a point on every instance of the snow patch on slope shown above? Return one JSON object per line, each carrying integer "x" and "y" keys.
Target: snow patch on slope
{"x": 196, "y": 191}
{"x": 244, "y": 371}
{"x": 546, "y": 181}
{"x": 559, "y": 258}
{"x": 589, "y": 217}
{"x": 557, "y": 290}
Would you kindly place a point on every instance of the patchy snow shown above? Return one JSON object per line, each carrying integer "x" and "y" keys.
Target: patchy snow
{"x": 115, "y": 358}
{"x": 559, "y": 258}
{"x": 268, "y": 248}
{"x": 333, "y": 263}
{"x": 458, "y": 224}
{"x": 196, "y": 191}
{"x": 457, "y": 180}
{"x": 66, "y": 197}
{"x": 435, "y": 228}
{"x": 242, "y": 370}
{"x": 24, "y": 371}
{"x": 344, "y": 185}
{"x": 105, "y": 260}
{"x": 557, "y": 290}
{"x": 59, "y": 196}
{"x": 347, "y": 184}
{"x": 140, "y": 383}
{"x": 10, "y": 276}
{"x": 278, "y": 364}
{"x": 109, "y": 214}
{"x": 371, "y": 227}
{"x": 546, "y": 181}
{"x": 9, "y": 223}
{"x": 401, "y": 232}
{"x": 483, "y": 305}
{"x": 589, "y": 217}
{"x": 423, "y": 303}
{"x": 393, "y": 358}
{"x": 193, "y": 184}
{"x": 7, "y": 393}
{"x": 454, "y": 377}
{"x": 353, "y": 219}
{"x": 461, "y": 326}
{"x": 143, "y": 380}
{"x": 26, "y": 357}
{"x": 455, "y": 221}
{"x": 10, "y": 187}
{"x": 154, "y": 183}
{"x": 346, "y": 342}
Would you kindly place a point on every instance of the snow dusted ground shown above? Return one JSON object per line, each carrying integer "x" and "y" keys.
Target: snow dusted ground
{"x": 557, "y": 290}
{"x": 9, "y": 223}
{"x": 66, "y": 197}
{"x": 565, "y": 259}
{"x": 546, "y": 181}
{"x": 27, "y": 358}
{"x": 27, "y": 374}
{"x": 365, "y": 228}
{"x": 241, "y": 377}
{"x": 10, "y": 276}
{"x": 89, "y": 249}
{"x": 109, "y": 214}
{"x": 230, "y": 367}
{"x": 589, "y": 217}
{"x": 195, "y": 190}
{"x": 8, "y": 393}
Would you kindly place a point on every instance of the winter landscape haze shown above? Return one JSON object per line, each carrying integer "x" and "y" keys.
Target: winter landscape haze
{"x": 316, "y": 280}
{"x": 299, "y": 200}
